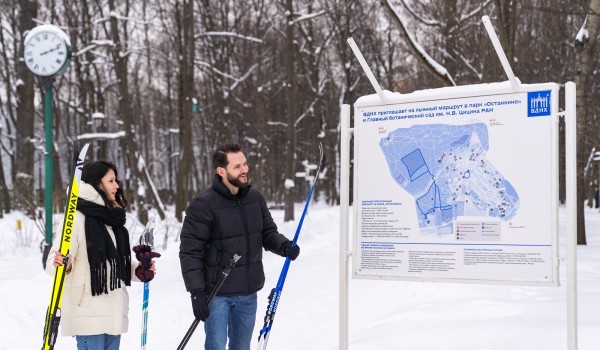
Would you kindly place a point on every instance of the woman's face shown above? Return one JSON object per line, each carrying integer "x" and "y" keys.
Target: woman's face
{"x": 109, "y": 185}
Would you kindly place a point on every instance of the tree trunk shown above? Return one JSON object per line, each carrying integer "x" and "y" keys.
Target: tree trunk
{"x": 8, "y": 119}
{"x": 185, "y": 105}
{"x": 4, "y": 204}
{"x": 507, "y": 26}
{"x": 128, "y": 142}
{"x": 585, "y": 58}
{"x": 290, "y": 154}
{"x": 24, "y": 191}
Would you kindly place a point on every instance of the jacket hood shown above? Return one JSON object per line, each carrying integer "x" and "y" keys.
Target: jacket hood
{"x": 87, "y": 192}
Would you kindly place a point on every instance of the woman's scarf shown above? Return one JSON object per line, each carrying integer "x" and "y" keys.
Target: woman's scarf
{"x": 100, "y": 247}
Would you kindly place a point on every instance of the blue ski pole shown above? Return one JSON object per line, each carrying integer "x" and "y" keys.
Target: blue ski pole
{"x": 265, "y": 332}
{"x": 147, "y": 238}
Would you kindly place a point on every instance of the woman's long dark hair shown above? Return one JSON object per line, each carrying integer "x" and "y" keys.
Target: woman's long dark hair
{"x": 92, "y": 174}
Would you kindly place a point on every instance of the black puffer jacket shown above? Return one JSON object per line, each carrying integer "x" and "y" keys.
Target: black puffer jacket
{"x": 218, "y": 225}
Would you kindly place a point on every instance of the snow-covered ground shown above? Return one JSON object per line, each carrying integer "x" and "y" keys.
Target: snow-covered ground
{"x": 383, "y": 314}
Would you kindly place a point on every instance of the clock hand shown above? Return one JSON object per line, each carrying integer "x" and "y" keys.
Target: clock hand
{"x": 47, "y": 52}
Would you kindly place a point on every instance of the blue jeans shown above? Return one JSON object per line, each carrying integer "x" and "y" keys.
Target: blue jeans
{"x": 231, "y": 317}
{"x": 98, "y": 342}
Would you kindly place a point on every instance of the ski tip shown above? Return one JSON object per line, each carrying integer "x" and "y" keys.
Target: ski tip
{"x": 84, "y": 149}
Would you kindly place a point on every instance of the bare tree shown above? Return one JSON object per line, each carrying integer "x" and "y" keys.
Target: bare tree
{"x": 137, "y": 166}
{"x": 181, "y": 77}
{"x": 507, "y": 25}
{"x": 290, "y": 149}
{"x": 8, "y": 29}
{"x": 24, "y": 193}
{"x": 185, "y": 20}
{"x": 436, "y": 70}
{"x": 585, "y": 44}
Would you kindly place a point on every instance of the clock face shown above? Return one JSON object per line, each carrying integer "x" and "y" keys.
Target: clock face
{"x": 45, "y": 53}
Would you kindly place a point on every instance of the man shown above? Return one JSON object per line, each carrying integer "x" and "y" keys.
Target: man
{"x": 227, "y": 218}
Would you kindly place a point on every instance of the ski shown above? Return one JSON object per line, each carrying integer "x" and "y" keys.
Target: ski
{"x": 275, "y": 294}
{"x": 234, "y": 259}
{"x": 53, "y": 312}
{"x": 147, "y": 238}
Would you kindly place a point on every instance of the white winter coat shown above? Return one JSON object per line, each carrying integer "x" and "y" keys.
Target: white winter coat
{"x": 82, "y": 313}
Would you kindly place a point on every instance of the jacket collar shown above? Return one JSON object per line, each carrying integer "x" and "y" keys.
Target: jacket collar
{"x": 220, "y": 187}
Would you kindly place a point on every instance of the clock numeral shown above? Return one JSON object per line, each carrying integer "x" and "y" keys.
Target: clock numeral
{"x": 44, "y": 70}
{"x": 29, "y": 53}
{"x": 30, "y": 60}
{"x": 61, "y": 53}
{"x": 45, "y": 36}
{"x": 38, "y": 38}
{"x": 58, "y": 61}
{"x": 36, "y": 67}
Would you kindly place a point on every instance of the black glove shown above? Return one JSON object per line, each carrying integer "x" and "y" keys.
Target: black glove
{"x": 144, "y": 253}
{"x": 199, "y": 306}
{"x": 290, "y": 251}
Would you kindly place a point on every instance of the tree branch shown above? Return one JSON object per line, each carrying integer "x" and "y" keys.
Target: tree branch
{"x": 433, "y": 67}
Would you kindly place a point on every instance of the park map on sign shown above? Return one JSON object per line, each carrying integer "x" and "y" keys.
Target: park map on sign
{"x": 445, "y": 169}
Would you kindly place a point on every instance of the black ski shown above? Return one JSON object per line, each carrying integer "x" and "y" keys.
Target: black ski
{"x": 214, "y": 292}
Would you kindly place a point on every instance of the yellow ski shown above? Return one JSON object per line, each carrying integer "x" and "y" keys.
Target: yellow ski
{"x": 53, "y": 312}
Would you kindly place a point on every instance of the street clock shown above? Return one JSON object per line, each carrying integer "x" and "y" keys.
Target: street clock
{"x": 47, "y": 53}
{"x": 47, "y": 50}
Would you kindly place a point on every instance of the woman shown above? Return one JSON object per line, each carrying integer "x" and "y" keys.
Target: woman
{"x": 95, "y": 300}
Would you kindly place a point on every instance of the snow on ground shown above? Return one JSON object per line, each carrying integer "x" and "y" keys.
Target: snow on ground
{"x": 383, "y": 314}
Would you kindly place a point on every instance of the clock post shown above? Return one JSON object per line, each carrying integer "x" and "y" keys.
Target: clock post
{"x": 47, "y": 54}
{"x": 48, "y": 164}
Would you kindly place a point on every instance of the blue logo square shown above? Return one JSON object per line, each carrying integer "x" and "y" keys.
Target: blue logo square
{"x": 538, "y": 103}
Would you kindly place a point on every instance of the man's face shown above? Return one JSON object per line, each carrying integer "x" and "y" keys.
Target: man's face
{"x": 237, "y": 170}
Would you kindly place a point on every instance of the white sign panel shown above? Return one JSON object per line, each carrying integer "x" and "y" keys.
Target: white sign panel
{"x": 458, "y": 188}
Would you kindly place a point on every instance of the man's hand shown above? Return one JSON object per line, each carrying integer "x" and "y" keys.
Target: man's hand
{"x": 199, "y": 306}
{"x": 290, "y": 251}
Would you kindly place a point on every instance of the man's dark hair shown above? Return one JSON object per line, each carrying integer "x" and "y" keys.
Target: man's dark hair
{"x": 220, "y": 155}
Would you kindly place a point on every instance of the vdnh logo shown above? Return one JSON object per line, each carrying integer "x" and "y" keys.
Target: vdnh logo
{"x": 538, "y": 103}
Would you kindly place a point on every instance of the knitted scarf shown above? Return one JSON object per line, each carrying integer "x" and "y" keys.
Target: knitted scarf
{"x": 100, "y": 247}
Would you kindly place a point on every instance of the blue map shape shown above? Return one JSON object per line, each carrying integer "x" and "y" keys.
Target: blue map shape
{"x": 444, "y": 167}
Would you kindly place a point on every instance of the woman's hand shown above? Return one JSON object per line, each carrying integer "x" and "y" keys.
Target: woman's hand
{"x": 147, "y": 269}
{"x": 146, "y": 274}
{"x": 60, "y": 259}
{"x": 153, "y": 266}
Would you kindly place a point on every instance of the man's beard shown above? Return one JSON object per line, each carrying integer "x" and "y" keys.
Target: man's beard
{"x": 236, "y": 181}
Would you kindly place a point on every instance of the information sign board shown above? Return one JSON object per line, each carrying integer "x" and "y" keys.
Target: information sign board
{"x": 459, "y": 187}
